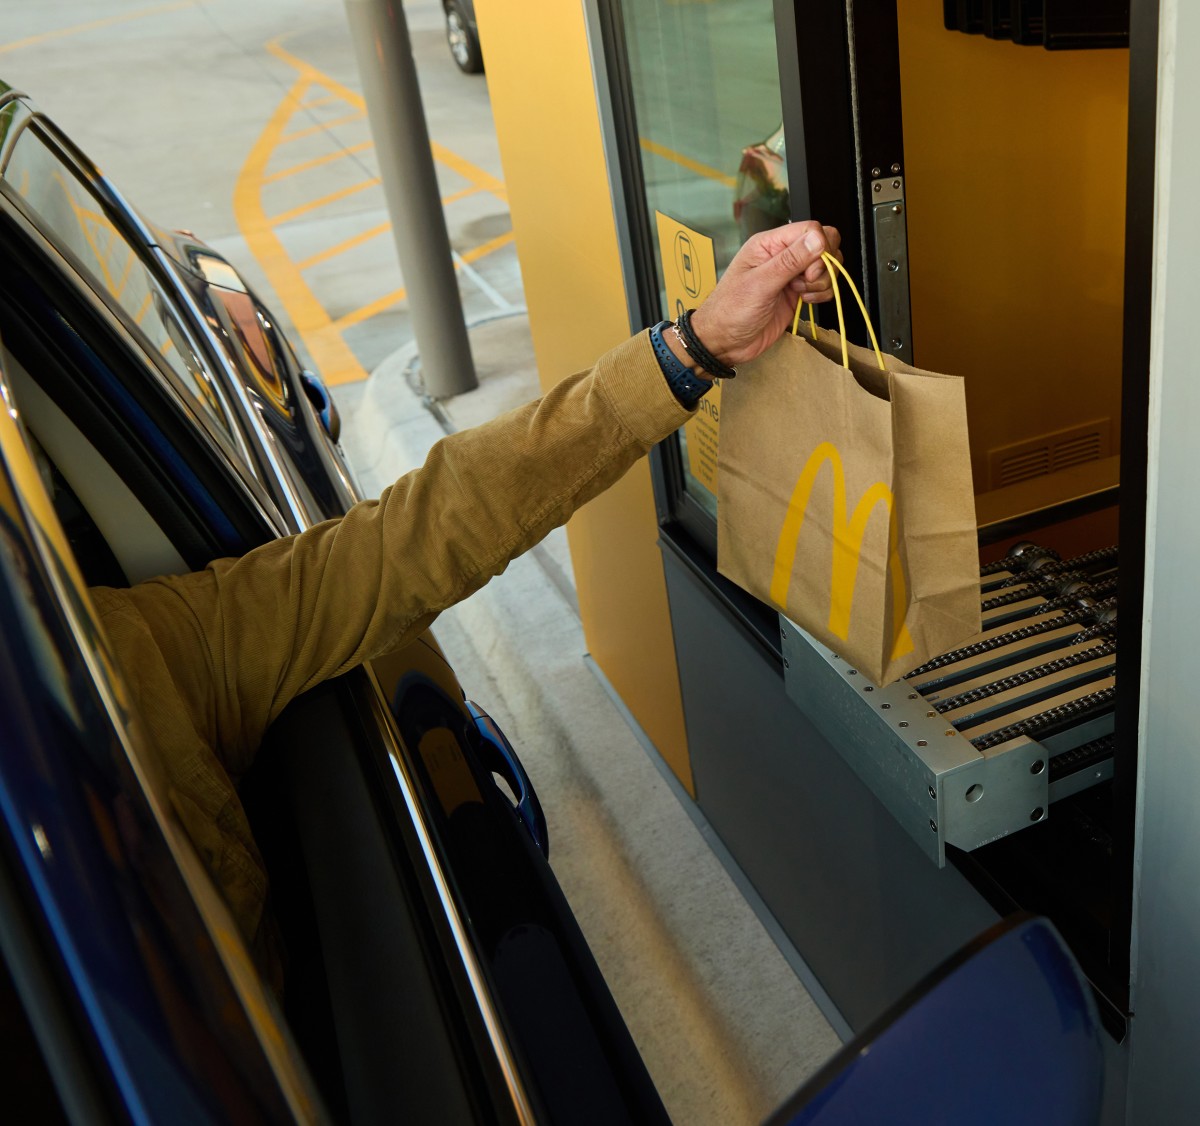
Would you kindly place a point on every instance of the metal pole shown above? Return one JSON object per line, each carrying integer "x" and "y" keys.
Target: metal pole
{"x": 397, "y": 119}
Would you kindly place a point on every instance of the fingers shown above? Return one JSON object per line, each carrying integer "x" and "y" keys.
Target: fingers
{"x": 790, "y": 251}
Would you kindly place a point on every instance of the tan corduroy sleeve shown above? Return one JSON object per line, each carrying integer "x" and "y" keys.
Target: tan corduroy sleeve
{"x": 244, "y": 637}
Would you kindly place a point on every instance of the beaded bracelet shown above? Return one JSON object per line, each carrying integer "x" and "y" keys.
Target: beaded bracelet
{"x": 693, "y": 347}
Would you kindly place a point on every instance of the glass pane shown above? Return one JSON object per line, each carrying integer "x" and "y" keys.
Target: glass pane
{"x": 705, "y": 84}
{"x": 78, "y": 223}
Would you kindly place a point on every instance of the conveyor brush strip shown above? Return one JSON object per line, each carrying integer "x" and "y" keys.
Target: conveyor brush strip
{"x": 1028, "y": 676}
{"x": 979, "y": 648}
{"x": 1080, "y": 758}
{"x": 1091, "y": 561}
{"x": 1032, "y": 586}
{"x": 1038, "y": 724}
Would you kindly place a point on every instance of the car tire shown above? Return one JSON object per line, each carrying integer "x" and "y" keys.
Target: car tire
{"x": 464, "y": 44}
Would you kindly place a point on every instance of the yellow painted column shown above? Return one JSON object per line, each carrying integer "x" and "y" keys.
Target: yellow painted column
{"x": 539, "y": 74}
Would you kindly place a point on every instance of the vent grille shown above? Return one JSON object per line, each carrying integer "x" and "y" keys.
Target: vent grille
{"x": 1049, "y": 453}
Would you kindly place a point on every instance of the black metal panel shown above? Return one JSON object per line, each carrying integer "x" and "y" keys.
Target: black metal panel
{"x": 1028, "y": 22}
{"x": 862, "y": 904}
{"x": 997, "y": 19}
{"x": 1135, "y": 406}
{"x": 818, "y": 111}
{"x": 1086, "y": 24}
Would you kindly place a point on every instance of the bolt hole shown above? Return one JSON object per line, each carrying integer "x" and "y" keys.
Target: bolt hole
{"x": 1037, "y": 814}
{"x": 1037, "y": 767}
{"x": 852, "y": 672}
{"x": 933, "y": 825}
{"x": 974, "y": 793}
{"x": 868, "y": 688}
{"x": 885, "y": 706}
{"x": 922, "y": 742}
{"x": 904, "y": 723}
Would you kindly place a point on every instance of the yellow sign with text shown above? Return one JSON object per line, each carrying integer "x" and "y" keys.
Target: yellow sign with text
{"x": 689, "y": 266}
{"x": 847, "y": 546}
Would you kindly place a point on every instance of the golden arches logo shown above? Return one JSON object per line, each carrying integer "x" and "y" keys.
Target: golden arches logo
{"x": 847, "y": 546}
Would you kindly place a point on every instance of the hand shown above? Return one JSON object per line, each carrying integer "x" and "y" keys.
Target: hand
{"x": 754, "y": 303}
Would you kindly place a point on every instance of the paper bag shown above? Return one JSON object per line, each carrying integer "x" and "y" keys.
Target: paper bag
{"x": 845, "y": 500}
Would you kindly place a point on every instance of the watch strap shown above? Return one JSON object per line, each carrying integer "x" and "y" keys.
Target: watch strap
{"x": 685, "y": 384}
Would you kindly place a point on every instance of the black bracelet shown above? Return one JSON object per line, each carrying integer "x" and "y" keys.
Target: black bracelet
{"x": 687, "y": 387}
{"x": 693, "y": 347}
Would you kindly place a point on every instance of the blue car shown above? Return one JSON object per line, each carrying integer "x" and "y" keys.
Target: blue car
{"x": 155, "y": 418}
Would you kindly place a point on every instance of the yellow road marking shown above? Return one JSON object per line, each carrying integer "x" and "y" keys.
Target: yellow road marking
{"x": 468, "y": 171}
{"x": 333, "y": 357}
{"x": 313, "y": 204}
{"x": 341, "y": 247}
{"x": 456, "y": 196}
{"x": 366, "y": 236}
{"x": 687, "y": 162}
{"x": 485, "y": 248}
{"x": 318, "y": 161}
{"x": 320, "y": 333}
{"x": 357, "y": 316}
{"x": 366, "y": 312}
{"x": 92, "y": 25}
{"x": 321, "y": 127}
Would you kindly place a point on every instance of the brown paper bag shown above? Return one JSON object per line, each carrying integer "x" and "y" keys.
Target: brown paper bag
{"x": 845, "y": 500}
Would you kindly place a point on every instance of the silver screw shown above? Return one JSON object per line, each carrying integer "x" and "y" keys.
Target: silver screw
{"x": 922, "y": 742}
{"x": 893, "y": 265}
{"x": 878, "y": 187}
{"x": 933, "y": 825}
{"x": 885, "y": 706}
{"x": 897, "y": 209}
{"x": 876, "y": 171}
{"x": 895, "y": 183}
{"x": 868, "y": 688}
{"x": 904, "y": 723}
{"x": 897, "y": 344}
{"x": 933, "y": 793}
{"x": 895, "y": 168}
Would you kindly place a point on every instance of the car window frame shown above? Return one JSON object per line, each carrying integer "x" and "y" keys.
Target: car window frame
{"x": 44, "y": 130}
{"x": 59, "y": 576}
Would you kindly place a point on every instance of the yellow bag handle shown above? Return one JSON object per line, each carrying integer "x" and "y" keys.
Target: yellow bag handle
{"x": 835, "y": 267}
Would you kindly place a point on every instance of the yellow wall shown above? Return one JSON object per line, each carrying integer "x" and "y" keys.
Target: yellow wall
{"x": 543, "y": 99}
{"x": 1015, "y": 184}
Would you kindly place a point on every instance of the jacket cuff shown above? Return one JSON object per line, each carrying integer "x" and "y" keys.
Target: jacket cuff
{"x": 634, "y": 384}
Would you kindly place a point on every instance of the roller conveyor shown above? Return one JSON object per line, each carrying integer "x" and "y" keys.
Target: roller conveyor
{"x": 980, "y": 741}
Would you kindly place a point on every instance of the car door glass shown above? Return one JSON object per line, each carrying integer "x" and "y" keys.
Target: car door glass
{"x": 71, "y": 213}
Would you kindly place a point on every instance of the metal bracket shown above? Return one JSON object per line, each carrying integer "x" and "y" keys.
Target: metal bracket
{"x": 889, "y": 219}
{"x": 928, "y": 776}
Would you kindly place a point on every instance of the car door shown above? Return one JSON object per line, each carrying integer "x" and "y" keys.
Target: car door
{"x": 115, "y": 943}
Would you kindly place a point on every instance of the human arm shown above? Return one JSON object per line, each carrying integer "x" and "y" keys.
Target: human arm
{"x": 245, "y": 636}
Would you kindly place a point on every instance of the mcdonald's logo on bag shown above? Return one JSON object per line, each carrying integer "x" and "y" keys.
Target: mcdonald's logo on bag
{"x": 847, "y": 546}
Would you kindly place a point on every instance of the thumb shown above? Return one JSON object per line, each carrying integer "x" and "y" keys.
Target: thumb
{"x": 799, "y": 246}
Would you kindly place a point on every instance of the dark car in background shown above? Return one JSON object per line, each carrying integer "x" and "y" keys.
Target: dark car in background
{"x": 462, "y": 35}
{"x": 155, "y": 418}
